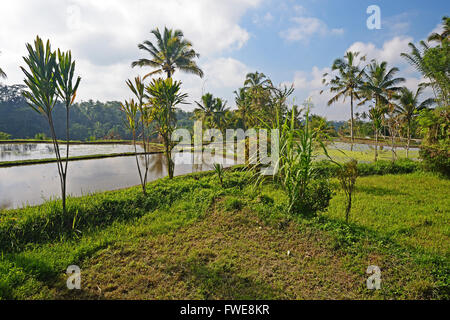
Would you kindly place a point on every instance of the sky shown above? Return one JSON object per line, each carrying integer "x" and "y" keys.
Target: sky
{"x": 289, "y": 41}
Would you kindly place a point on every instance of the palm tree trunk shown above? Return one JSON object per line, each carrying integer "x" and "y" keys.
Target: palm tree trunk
{"x": 408, "y": 142}
{"x": 376, "y": 145}
{"x": 351, "y": 124}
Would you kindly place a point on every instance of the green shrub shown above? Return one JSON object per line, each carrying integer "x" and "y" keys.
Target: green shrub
{"x": 316, "y": 198}
{"x": 40, "y": 136}
{"x": 232, "y": 204}
{"x": 326, "y": 169}
{"x": 436, "y": 158}
{"x": 4, "y": 136}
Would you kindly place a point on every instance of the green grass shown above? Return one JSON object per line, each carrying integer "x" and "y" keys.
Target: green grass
{"x": 192, "y": 239}
{"x": 413, "y": 210}
{"x": 369, "y": 155}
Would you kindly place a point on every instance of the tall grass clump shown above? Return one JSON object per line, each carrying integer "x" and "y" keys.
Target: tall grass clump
{"x": 307, "y": 192}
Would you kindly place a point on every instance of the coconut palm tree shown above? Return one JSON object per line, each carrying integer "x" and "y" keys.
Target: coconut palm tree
{"x": 2, "y": 73}
{"x": 376, "y": 115}
{"x": 220, "y": 111}
{"x": 444, "y": 36}
{"x": 380, "y": 86}
{"x": 243, "y": 103}
{"x": 205, "y": 109}
{"x": 347, "y": 82}
{"x": 408, "y": 106}
{"x": 211, "y": 111}
{"x": 171, "y": 52}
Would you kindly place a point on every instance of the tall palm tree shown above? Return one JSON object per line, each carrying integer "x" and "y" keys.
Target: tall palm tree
{"x": 408, "y": 107}
{"x": 256, "y": 79}
{"x": 380, "y": 84}
{"x": 171, "y": 52}
{"x": 205, "y": 109}
{"x": 211, "y": 111}
{"x": 2, "y": 73}
{"x": 347, "y": 83}
{"x": 220, "y": 111}
{"x": 445, "y": 35}
{"x": 244, "y": 111}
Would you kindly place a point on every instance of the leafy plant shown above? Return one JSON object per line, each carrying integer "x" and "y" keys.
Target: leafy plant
{"x": 347, "y": 175}
{"x": 4, "y": 136}
{"x": 138, "y": 118}
{"x": 51, "y": 76}
{"x": 164, "y": 96}
{"x": 218, "y": 168}
{"x": 172, "y": 51}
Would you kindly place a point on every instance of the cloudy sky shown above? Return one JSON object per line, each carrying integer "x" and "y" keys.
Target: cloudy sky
{"x": 289, "y": 41}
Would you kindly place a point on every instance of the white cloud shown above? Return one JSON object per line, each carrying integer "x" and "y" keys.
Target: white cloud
{"x": 390, "y": 51}
{"x": 306, "y": 27}
{"x": 309, "y": 83}
{"x": 103, "y": 36}
{"x": 263, "y": 20}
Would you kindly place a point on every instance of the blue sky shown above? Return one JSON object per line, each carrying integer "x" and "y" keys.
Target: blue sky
{"x": 290, "y": 41}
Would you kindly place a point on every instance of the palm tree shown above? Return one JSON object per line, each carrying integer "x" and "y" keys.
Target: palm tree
{"x": 220, "y": 111}
{"x": 164, "y": 96}
{"x": 256, "y": 79}
{"x": 408, "y": 107}
{"x": 380, "y": 85}
{"x": 172, "y": 51}
{"x": 376, "y": 115}
{"x": 347, "y": 82}
{"x": 2, "y": 73}
{"x": 205, "y": 110}
{"x": 243, "y": 104}
{"x": 211, "y": 111}
{"x": 444, "y": 36}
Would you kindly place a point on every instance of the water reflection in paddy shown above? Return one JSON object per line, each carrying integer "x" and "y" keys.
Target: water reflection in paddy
{"x": 34, "y": 184}
{"x": 28, "y": 151}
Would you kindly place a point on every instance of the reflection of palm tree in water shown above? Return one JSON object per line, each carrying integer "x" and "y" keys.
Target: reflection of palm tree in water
{"x": 157, "y": 166}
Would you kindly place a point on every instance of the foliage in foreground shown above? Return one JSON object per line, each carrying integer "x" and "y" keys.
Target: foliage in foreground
{"x": 393, "y": 227}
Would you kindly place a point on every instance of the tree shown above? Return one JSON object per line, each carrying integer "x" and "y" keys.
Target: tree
{"x": 444, "y": 36}
{"x": 171, "y": 51}
{"x": 380, "y": 86}
{"x": 164, "y": 96}
{"x": 347, "y": 83}
{"x": 258, "y": 88}
{"x": 138, "y": 115}
{"x": 376, "y": 115}
{"x": 243, "y": 103}
{"x": 408, "y": 108}
{"x": 347, "y": 175}
{"x": 434, "y": 63}
{"x": 48, "y": 79}
{"x": 205, "y": 109}
{"x": 211, "y": 111}
{"x": 2, "y": 73}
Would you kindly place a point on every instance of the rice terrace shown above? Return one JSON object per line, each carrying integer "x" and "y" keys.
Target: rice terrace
{"x": 225, "y": 150}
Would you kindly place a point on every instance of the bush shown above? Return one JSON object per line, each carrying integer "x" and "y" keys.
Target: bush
{"x": 4, "y": 136}
{"x": 316, "y": 198}
{"x": 325, "y": 169}
{"x": 436, "y": 158}
{"x": 40, "y": 136}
